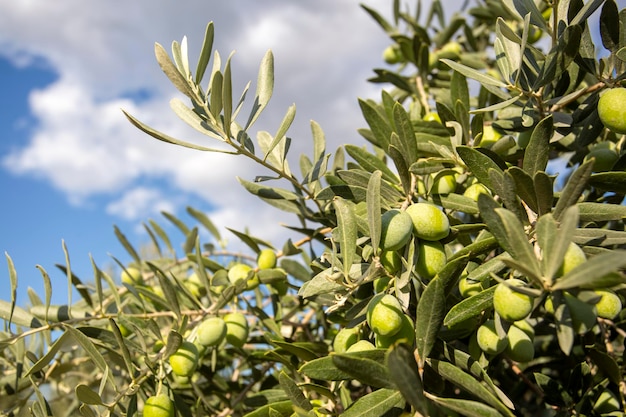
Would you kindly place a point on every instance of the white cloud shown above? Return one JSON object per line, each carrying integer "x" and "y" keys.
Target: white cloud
{"x": 140, "y": 203}
{"x": 103, "y": 53}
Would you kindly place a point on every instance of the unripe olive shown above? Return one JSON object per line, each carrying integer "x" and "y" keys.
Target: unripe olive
{"x": 236, "y": 329}
{"x": 406, "y": 334}
{"x": 131, "y": 275}
{"x": 158, "y": 406}
{"x": 361, "y": 346}
{"x": 396, "y": 229}
{"x": 391, "y": 261}
{"x": 211, "y": 331}
{"x": 345, "y": 338}
{"x": 609, "y": 305}
{"x": 490, "y": 136}
{"x": 266, "y": 259}
{"x": 612, "y": 109}
{"x": 429, "y": 221}
{"x": 384, "y": 314}
{"x": 185, "y": 360}
{"x": 520, "y": 347}
{"x": 511, "y": 305}
{"x": 476, "y": 189}
{"x": 381, "y": 284}
{"x": 392, "y": 54}
{"x": 443, "y": 184}
{"x": 431, "y": 259}
{"x": 241, "y": 271}
{"x": 526, "y": 327}
{"x": 194, "y": 285}
{"x": 574, "y": 256}
{"x": 488, "y": 339}
{"x": 469, "y": 288}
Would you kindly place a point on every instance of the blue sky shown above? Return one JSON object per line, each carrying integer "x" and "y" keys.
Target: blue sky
{"x": 71, "y": 166}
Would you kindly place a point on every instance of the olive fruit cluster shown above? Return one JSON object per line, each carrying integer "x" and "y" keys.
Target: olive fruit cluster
{"x": 212, "y": 332}
{"x": 516, "y": 343}
{"x": 428, "y": 224}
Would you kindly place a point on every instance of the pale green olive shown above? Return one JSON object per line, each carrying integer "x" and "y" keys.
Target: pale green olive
{"x": 384, "y": 314}
{"x": 396, "y": 229}
{"x": 574, "y": 256}
{"x": 429, "y": 221}
{"x": 131, "y": 275}
{"x": 211, "y": 331}
{"x": 609, "y": 305}
{"x": 520, "y": 347}
{"x": 158, "y": 406}
{"x": 488, "y": 339}
{"x": 185, "y": 360}
{"x": 612, "y": 109}
{"x": 431, "y": 259}
{"x": 512, "y": 305}
{"x": 266, "y": 259}
{"x": 345, "y": 338}
{"x": 361, "y": 346}
{"x": 236, "y": 329}
{"x": 406, "y": 334}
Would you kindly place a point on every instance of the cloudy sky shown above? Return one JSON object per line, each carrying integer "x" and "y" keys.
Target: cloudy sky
{"x": 71, "y": 166}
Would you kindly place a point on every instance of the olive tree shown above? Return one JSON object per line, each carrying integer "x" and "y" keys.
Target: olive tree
{"x": 465, "y": 259}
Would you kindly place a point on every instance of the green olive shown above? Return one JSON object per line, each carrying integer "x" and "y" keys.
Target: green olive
{"x": 131, "y": 275}
{"x": 391, "y": 261}
{"x": 469, "y": 288}
{"x": 396, "y": 229}
{"x": 476, "y": 189}
{"x": 243, "y": 271}
{"x": 574, "y": 256}
{"x": 185, "y": 360}
{"x": 211, "y": 331}
{"x": 392, "y": 54}
{"x": 512, "y": 305}
{"x": 158, "y": 406}
{"x": 236, "y": 329}
{"x": 488, "y": 339}
{"x": 361, "y": 346}
{"x": 429, "y": 221}
{"x": 384, "y": 314}
{"x": 431, "y": 259}
{"x": 612, "y": 109}
{"x": 520, "y": 347}
{"x": 406, "y": 334}
{"x": 443, "y": 184}
{"x": 266, "y": 259}
{"x": 609, "y": 305}
{"x": 345, "y": 338}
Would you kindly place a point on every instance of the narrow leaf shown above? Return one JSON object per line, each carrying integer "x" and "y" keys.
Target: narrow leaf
{"x": 538, "y": 149}
{"x": 432, "y": 308}
{"x": 205, "y": 52}
{"x": 264, "y": 88}
{"x": 405, "y": 374}
{"x": 347, "y": 228}
{"x": 376, "y": 403}
{"x": 373, "y": 209}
